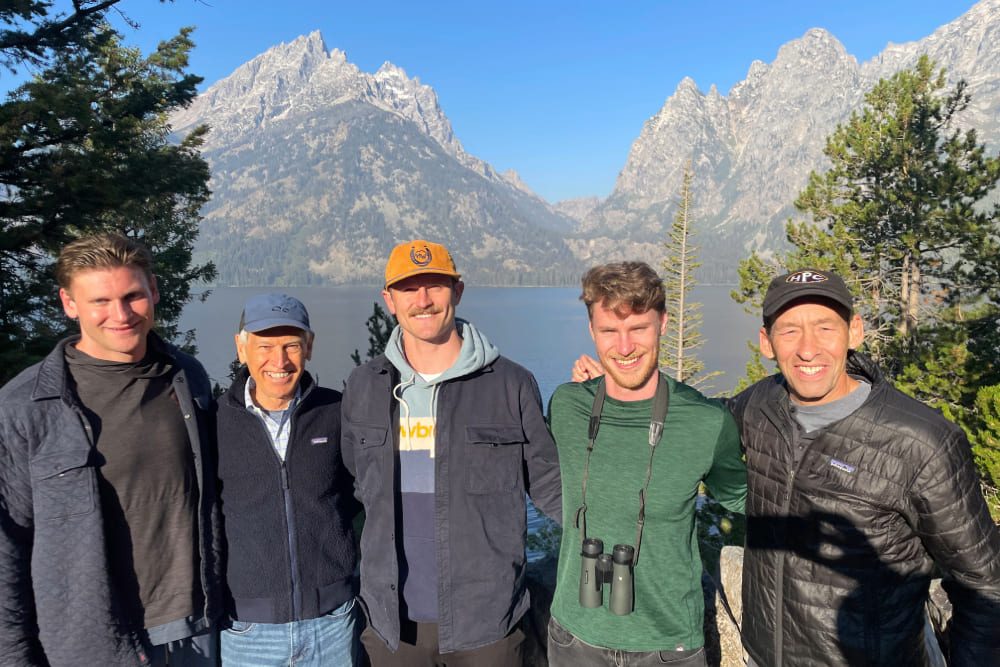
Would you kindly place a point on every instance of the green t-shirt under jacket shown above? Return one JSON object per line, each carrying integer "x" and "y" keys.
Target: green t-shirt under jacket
{"x": 700, "y": 443}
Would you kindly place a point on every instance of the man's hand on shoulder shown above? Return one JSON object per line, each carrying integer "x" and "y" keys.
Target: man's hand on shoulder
{"x": 586, "y": 368}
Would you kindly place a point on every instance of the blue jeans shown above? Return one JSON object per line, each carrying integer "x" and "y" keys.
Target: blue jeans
{"x": 330, "y": 640}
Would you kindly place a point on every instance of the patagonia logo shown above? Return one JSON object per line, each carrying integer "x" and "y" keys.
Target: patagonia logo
{"x": 806, "y": 277}
{"x": 840, "y": 465}
{"x": 318, "y": 441}
{"x": 420, "y": 255}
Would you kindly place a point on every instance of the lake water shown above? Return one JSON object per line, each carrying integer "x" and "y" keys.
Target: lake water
{"x": 541, "y": 328}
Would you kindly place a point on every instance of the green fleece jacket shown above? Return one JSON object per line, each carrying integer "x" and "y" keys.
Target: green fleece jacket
{"x": 700, "y": 443}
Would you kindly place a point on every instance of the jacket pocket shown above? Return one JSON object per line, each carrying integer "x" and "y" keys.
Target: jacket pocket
{"x": 493, "y": 457}
{"x": 63, "y": 485}
{"x": 368, "y": 443}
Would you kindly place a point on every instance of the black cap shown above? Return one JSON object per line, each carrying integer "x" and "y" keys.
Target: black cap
{"x": 806, "y": 283}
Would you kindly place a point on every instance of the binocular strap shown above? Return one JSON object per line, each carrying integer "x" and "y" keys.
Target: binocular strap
{"x": 661, "y": 402}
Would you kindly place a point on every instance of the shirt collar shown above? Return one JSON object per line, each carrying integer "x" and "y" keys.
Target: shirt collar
{"x": 252, "y": 407}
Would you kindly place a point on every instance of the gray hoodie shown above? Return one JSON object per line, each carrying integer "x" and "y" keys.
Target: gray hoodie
{"x": 417, "y": 396}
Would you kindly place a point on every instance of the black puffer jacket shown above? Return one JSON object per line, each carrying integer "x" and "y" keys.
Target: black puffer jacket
{"x": 841, "y": 549}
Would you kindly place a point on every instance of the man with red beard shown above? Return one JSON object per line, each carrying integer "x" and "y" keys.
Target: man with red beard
{"x": 634, "y": 447}
{"x": 444, "y": 437}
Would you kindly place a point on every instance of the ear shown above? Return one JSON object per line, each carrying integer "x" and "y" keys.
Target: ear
{"x": 590, "y": 325}
{"x": 765, "y": 344}
{"x": 456, "y": 292}
{"x": 663, "y": 323}
{"x": 153, "y": 289}
{"x": 69, "y": 306}
{"x": 241, "y": 350}
{"x": 856, "y": 332}
{"x": 388, "y": 302}
{"x": 309, "y": 347}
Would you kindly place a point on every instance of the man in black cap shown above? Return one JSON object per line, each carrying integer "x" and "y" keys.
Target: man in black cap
{"x": 857, "y": 496}
{"x": 287, "y": 501}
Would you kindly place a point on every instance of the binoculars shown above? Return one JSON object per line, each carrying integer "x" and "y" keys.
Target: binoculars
{"x": 615, "y": 569}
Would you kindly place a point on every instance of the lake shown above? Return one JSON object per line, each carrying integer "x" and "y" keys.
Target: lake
{"x": 541, "y": 328}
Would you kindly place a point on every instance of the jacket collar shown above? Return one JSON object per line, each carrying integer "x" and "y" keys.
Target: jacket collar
{"x": 775, "y": 403}
{"x": 53, "y": 376}
{"x": 861, "y": 365}
{"x": 381, "y": 364}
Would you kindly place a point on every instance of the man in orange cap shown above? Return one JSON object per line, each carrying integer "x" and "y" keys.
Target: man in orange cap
{"x": 444, "y": 437}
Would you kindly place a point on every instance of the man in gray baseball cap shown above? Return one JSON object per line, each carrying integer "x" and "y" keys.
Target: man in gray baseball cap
{"x": 287, "y": 500}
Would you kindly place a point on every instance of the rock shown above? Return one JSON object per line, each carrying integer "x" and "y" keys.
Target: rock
{"x": 729, "y": 601}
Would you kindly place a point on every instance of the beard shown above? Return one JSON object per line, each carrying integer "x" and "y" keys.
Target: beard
{"x": 635, "y": 377}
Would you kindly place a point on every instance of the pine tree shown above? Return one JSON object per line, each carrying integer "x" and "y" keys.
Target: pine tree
{"x": 380, "y": 325}
{"x": 84, "y": 148}
{"x": 985, "y": 441}
{"x": 717, "y": 526}
{"x": 683, "y": 337}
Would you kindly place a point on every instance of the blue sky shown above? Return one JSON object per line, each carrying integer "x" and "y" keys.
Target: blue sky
{"x": 555, "y": 90}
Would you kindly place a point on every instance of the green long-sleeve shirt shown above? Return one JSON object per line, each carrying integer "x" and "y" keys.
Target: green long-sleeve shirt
{"x": 700, "y": 443}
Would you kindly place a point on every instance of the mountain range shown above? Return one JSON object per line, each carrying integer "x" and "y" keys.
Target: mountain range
{"x": 318, "y": 169}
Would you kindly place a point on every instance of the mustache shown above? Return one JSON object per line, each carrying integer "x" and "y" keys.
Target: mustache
{"x": 424, "y": 311}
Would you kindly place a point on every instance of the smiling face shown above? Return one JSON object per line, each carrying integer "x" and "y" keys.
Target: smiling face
{"x": 810, "y": 341}
{"x": 115, "y": 310}
{"x": 276, "y": 359}
{"x": 628, "y": 346}
{"x": 424, "y": 305}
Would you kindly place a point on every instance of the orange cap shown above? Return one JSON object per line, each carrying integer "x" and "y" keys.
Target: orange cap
{"x": 416, "y": 257}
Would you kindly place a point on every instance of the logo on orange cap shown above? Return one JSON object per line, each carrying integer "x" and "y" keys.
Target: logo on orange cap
{"x": 420, "y": 256}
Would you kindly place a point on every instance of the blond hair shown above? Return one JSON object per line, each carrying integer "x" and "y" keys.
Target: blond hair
{"x": 107, "y": 250}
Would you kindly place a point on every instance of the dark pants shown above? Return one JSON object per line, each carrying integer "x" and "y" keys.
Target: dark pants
{"x": 201, "y": 650}
{"x": 418, "y": 647}
{"x": 568, "y": 650}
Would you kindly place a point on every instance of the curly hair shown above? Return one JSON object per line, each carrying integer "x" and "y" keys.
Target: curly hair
{"x": 625, "y": 287}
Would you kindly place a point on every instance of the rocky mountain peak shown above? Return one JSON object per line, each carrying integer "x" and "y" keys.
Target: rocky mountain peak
{"x": 753, "y": 151}
{"x": 815, "y": 50}
{"x": 416, "y": 102}
{"x": 289, "y": 80}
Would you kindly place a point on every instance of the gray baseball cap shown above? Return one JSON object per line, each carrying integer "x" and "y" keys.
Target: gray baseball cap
{"x": 266, "y": 311}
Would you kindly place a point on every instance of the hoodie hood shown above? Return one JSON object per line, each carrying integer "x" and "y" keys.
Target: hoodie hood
{"x": 476, "y": 353}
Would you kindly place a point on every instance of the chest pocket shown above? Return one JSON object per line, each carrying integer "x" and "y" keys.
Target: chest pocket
{"x": 493, "y": 457}
{"x": 368, "y": 443}
{"x": 63, "y": 485}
